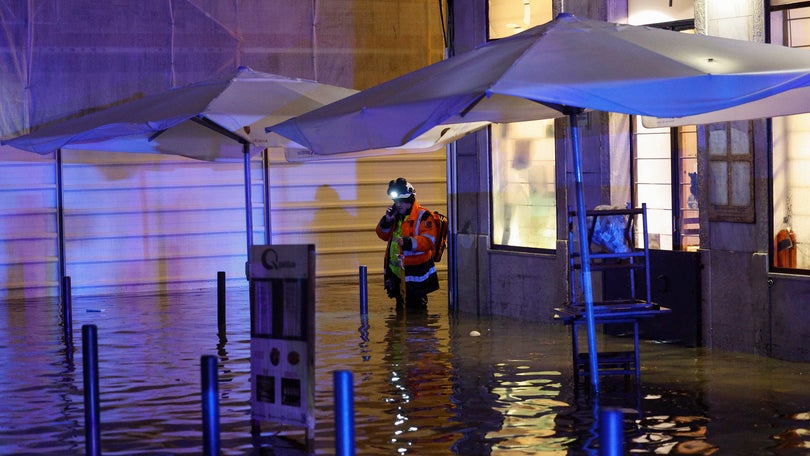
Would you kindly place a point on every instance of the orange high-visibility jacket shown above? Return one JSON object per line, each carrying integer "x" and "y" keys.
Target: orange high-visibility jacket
{"x": 419, "y": 226}
{"x": 420, "y": 271}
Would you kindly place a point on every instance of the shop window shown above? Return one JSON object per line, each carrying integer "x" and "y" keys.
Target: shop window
{"x": 507, "y": 17}
{"x": 688, "y": 217}
{"x": 523, "y": 185}
{"x": 790, "y": 157}
{"x": 673, "y": 212}
{"x": 524, "y": 207}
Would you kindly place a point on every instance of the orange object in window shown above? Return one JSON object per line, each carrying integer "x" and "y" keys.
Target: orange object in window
{"x": 785, "y": 249}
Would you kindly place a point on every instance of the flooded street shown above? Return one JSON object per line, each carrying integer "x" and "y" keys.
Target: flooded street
{"x": 425, "y": 383}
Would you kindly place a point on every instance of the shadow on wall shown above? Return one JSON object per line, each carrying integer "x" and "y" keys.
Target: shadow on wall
{"x": 334, "y": 231}
{"x": 27, "y": 263}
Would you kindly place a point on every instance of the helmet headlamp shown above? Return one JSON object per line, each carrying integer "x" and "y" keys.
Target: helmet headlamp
{"x": 400, "y": 189}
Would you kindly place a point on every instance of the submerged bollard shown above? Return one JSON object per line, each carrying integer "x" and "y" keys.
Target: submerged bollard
{"x": 363, "y": 329}
{"x": 363, "y": 291}
{"x": 221, "y": 301}
{"x": 364, "y": 312}
{"x": 344, "y": 413}
{"x": 611, "y": 432}
{"x": 210, "y": 405}
{"x": 92, "y": 416}
{"x": 67, "y": 312}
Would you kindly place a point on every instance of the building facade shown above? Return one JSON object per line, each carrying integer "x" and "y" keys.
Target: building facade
{"x": 716, "y": 259}
{"x": 128, "y": 222}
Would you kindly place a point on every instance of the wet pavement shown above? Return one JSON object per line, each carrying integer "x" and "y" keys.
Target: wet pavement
{"x": 424, "y": 383}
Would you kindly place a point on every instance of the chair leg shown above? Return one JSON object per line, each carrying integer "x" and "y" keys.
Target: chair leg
{"x": 575, "y": 352}
{"x": 638, "y": 360}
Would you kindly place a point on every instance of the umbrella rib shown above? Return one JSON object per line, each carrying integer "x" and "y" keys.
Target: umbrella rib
{"x": 472, "y": 104}
{"x": 208, "y": 123}
{"x": 565, "y": 109}
{"x": 156, "y": 134}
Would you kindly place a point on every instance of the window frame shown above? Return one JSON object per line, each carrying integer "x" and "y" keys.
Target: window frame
{"x": 731, "y": 160}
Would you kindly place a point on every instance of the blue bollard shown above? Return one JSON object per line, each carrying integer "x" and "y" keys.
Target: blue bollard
{"x": 364, "y": 337}
{"x": 344, "y": 413}
{"x": 611, "y": 432}
{"x": 92, "y": 415}
{"x": 363, "y": 291}
{"x": 210, "y": 405}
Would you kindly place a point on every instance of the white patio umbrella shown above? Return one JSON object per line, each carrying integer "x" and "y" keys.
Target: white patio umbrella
{"x": 794, "y": 101}
{"x": 220, "y": 120}
{"x": 557, "y": 69}
{"x": 207, "y": 121}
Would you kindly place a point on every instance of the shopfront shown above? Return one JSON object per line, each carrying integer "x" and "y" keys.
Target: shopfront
{"x": 724, "y": 200}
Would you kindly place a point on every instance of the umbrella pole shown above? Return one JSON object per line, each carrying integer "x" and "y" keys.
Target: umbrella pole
{"x": 60, "y": 222}
{"x": 248, "y": 206}
{"x": 584, "y": 252}
{"x": 268, "y": 225}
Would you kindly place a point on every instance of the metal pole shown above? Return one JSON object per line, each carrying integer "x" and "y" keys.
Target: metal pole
{"x": 60, "y": 218}
{"x": 65, "y": 289}
{"x": 92, "y": 416}
{"x": 363, "y": 290}
{"x": 67, "y": 313}
{"x": 210, "y": 405}
{"x": 452, "y": 211}
{"x": 584, "y": 253}
{"x": 248, "y": 206}
{"x": 364, "y": 311}
{"x": 268, "y": 225}
{"x": 611, "y": 432}
{"x": 344, "y": 413}
{"x": 364, "y": 337}
{"x": 221, "y": 301}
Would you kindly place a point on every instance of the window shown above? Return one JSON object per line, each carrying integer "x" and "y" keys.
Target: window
{"x": 524, "y": 204}
{"x": 672, "y": 207}
{"x": 790, "y": 159}
{"x": 507, "y": 17}
{"x": 653, "y": 181}
{"x": 688, "y": 216}
{"x": 524, "y": 207}
{"x": 731, "y": 174}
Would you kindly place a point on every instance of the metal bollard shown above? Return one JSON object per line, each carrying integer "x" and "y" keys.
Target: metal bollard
{"x": 210, "y": 405}
{"x": 221, "y": 301}
{"x": 344, "y": 413}
{"x": 363, "y": 329}
{"x": 363, "y": 291}
{"x": 67, "y": 312}
{"x": 92, "y": 416}
{"x": 611, "y": 432}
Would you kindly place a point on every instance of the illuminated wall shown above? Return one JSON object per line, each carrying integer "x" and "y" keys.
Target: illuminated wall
{"x": 160, "y": 223}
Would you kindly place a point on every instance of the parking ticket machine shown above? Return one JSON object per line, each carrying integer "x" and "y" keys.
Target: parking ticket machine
{"x": 282, "y": 335}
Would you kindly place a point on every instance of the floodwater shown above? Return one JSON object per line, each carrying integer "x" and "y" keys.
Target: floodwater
{"x": 426, "y": 383}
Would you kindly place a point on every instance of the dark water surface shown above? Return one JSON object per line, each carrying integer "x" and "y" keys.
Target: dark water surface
{"x": 423, "y": 384}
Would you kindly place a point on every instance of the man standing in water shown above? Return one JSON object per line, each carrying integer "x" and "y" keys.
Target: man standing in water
{"x": 411, "y": 234}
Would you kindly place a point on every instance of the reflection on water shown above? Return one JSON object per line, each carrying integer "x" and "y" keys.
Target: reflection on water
{"x": 425, "y": 383}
